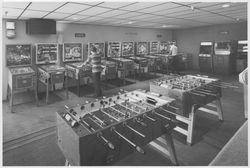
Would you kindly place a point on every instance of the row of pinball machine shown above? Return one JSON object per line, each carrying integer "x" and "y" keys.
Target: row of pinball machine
{"x": 108, "y": 129}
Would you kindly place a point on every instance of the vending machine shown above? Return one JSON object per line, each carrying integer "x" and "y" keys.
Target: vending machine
{"x": 206, "y": 57}
{"x": 224, "y": 57}
{"x": 241, "y": 60}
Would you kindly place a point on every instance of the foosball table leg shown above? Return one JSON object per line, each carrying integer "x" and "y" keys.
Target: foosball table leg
{"x": 219, "y": 109}
{"x": 171, "y": 149}
{"x": 190, "y": 129}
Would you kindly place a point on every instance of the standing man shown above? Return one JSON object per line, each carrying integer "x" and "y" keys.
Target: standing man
{"x": 174, "y": 59}
{"x": 95, "y": 60}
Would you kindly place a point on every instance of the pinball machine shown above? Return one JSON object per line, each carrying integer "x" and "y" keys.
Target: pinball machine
{"x": 154, "y": 62}
{"x": 21, "y": 75}
{"x": 74, "y": 64}
{"x": 192, "y": 93}
{"x": 125, "y": 66}
{"x": 50, "y": 74}
{"x": 107, "y": 130}
{"x": 242, "y": 54}
{"x": 140, "y": 62}
{"x": 225, "y": 57}
{"x": 206, "y": 57}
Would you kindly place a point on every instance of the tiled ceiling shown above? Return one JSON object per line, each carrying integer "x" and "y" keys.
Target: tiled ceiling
{"x": 164, "y": 15}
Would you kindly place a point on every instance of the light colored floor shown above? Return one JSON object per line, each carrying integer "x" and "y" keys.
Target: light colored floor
{"x": 210, "y": 134}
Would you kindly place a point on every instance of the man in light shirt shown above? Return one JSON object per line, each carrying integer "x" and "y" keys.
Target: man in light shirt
{"x": 173, "y": 49}
{"x": 173, "y": 58}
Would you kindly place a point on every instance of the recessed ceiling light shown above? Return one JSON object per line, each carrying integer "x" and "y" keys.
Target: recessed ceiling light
{"x": 225, "y": 6}
{"x": 237, "y": 19}
{"x": 164, "y": 26}
{"x": 75, "y": 18}
{"x": 131, "y": 22}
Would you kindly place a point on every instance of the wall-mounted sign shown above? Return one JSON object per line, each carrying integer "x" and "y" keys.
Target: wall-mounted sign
{"x": 100, "y": 48}
{"x": 158, "y": 35}
{"x": 46, "y": 53}
{"x": 128, "y": 48}
{"x": 141, "y": 48}
{"x": 154, "y": 46}
{"x": 80, "y": 35}
{"x": 18, "y": 55}
{"x": 114, "y": 49}
{"x": 72, "y": 52}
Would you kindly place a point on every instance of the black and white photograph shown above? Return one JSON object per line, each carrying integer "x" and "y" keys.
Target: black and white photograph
{"x": 124, "y": 83}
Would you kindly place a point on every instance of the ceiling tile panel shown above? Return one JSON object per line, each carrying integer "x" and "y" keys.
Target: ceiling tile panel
{"x": 11, "y": 12}
{"x": 128, "y": 15}
{"x": 94, "y": 11}
{"x": 20, "y": 5}
{"x": 161, "y": 7}
{"x": 34, "y": 14}
{"x": 55, "y": 15}
{"x": 140, "y": 5}
{"x": 72, "y": 8}
{"x": 112, "y": 13}
{"x": 115, "y": 5}
{"x": 45, "y": 6}
{"x": 76, "y": 17}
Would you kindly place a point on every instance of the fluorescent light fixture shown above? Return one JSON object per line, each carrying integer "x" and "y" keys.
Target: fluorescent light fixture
{"x": 75, "y": 18}
{"x": 131, "y": 22}
{"x": 225, "y": 6}
{"x": 237, "y": 19}
{"x": 164, "y": 26}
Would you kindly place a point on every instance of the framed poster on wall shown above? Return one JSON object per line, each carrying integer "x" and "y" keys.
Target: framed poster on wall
{"x": 128, "y": 49}
{"x": 46, "y": 53}
{"x": 164, "y": 47}
{"x": 18, "y": 55}
{"x": 72, "y": 52}
{"x": 141, "y": 48}
{"x": 100, "y": 48}
{"x": 114, "y": 49}
{"x": 154, "y": 47}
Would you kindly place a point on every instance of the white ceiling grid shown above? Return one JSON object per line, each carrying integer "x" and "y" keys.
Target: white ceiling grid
{"x": 131, "y": 14}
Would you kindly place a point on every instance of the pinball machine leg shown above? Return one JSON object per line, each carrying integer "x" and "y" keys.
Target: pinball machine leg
{"x": 35, "y": 91}
{"x": 219, "y": 109}
{"x": 78, "y": 85}
{"x": 67, "y": 163}
{"x": 171, "y": 149}
{"x": 191, "y": 127}
{"x": 67, "y": 84}
{"x": 47, "y": 91}
{"x": 12, "y": 93}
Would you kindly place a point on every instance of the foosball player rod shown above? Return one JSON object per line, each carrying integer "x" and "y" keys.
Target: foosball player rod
{"x": 162, "y": 116}
{"x": 132, "y": 129}
{"x": 110, "y": 145}
{"x": 138, "y": 149}
{"x": 140, "y": 122}
{"x": 197, "y": 94}
{"x": 205, "y": 93}
{"x": 101, "y": 121}
{"x": 150, "y": 118}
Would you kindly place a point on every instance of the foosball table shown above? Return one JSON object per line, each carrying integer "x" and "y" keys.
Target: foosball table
{"x": 78, "y": 71}
{"x": 192, "y": 93}
{"x": 107, "y": 130}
